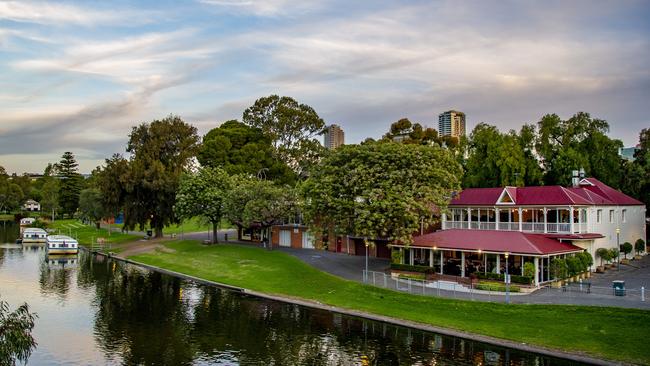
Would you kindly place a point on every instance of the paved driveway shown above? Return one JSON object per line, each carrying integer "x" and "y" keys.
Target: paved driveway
{"x": 339, "y": 264}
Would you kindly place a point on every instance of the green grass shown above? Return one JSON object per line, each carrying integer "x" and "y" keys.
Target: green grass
{"x": 605, "y": 332}
{"x": 193, "y": 225}
{"x": 85, "y": 234}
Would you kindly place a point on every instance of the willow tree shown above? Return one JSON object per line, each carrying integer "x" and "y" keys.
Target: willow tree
{"x": 16, "y": 340}
{"x": 161, "y": 151}
{"x": 380, "y": 190}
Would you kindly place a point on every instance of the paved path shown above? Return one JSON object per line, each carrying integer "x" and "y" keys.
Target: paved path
{"x": 351, "y": 267}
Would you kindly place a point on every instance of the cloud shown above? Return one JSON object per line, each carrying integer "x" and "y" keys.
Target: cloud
{"x": 62, "y": 14}
{"x": 264, "y": 8}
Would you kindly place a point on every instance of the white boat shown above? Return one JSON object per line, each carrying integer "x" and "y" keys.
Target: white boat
{"x": 61, "y": 244}
{"x": 34, "y": 235}
{"x": 26, "y": 221}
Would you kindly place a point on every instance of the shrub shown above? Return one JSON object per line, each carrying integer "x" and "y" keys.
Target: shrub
{"x": 639, "y": 246}
{"x": 410, "y": 268}
{"x": 574, "y": 265}
{"x": 603, "y": 254}
{"x": 626, "y": 248}
{"x": 525, "y": 280}
{"x": 613, "y": 254}
{"x": 529, "y": 270}
{"x": 419, "y": 276}
{"x": 559, "y": 268}
{"x": 396, "y": 256}
{"x": 495, "y": 286}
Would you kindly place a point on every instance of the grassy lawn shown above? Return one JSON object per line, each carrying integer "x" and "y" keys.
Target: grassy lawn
{"x": 612, "y": 333}
{"x": 85, "y": 234}
{"x": 194, "y": 225}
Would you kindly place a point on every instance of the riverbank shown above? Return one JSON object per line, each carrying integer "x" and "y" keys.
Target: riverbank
{"x": 600, "y": 332}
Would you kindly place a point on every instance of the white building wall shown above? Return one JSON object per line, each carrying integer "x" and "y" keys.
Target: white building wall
{"x": 630, "y": 231}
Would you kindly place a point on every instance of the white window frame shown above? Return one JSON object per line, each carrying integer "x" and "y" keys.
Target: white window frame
{"x": 611, "y": 216}
{"x": 599, "y": 216}
{"x": 623, "y": 215}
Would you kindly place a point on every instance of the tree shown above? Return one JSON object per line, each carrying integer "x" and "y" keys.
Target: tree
{"x": 603, "y": 254}
{"x": 11, "y": 195}
{"x": 203, "y": 194}
{"x": 90, "y": 205}
{"x": 636, "y": 178}
{"x": 240, "y": 149}
{"x": 579, "y": 142}
{"x": 49, "y": 191}
{"x": 16, "y": 340}
{"x": 161, "y": 151}
{"x": 497, "y": 160}
{"x": 382, "y": 190}
{"x": 254, "y": 201}
{"x": 639, "y": 246}
{"x": 559, "y": 268}
{"x": 626, "y": 248}
{"x": 614, "y": 254}
{"x": 71, "y": 182}
{"x": 292, "y": 128}
{"x": 411, "y": 133}
{"x": 112, "y": 180}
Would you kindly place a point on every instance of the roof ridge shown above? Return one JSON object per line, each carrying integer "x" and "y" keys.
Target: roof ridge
{"x": 525, "y": 235}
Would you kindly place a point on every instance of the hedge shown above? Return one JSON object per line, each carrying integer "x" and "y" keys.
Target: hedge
{"x": 524, "y": 280}
{"x": 496, "y": 287}
{"x": 410, "y": 268}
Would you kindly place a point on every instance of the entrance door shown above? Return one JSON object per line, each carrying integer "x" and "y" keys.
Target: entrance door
{"x": 285, "y": 238}
{"x": 307, "y": 240}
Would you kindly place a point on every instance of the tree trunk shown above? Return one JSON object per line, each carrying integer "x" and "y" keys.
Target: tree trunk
{"x": 215, "y": 230}
{"x": 97, "y": 225}
{"x": 159, "y": 232}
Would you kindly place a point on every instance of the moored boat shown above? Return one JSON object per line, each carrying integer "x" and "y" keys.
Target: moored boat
{"x": 61, "y": 244}
{"x": 34, "y": 235}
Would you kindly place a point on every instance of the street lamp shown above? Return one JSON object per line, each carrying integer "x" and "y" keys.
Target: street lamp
{"x": 366, "y": 243}
{"x": 618, "y": 246}
{"x": 507, "y": 281}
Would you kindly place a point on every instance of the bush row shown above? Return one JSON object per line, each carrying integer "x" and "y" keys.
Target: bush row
{"x": 410, "y": 268}
{"x": 525, "y": 280}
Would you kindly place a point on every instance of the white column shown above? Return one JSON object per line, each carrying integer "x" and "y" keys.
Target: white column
{"x": 441, "y": 258}
{"x": 401, "y": 250}
{"x": 536, "y": 271}
{"x": 411, "y": 261}
{"x": 571, "y": 219}
{"x": 498, "y": 263}
{"x": 444, "y": 221}
{"x": 545, "y": 220}
{"x": 462, "y": 264}
{"x": 469, "y": 218}
{"x": 496, "y": 218}
{"x": 431, "y": 258}
{"x": 522, "y": 265}
{"x": 519, "y": 215}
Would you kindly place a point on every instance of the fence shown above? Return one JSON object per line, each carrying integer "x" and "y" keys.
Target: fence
{"x": 575, "y": 293}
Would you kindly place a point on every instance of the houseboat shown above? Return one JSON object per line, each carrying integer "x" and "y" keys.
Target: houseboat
{"x": 61, "y": 244}
{"x": 34, "y": 235}
{"x": 26, "y": 221}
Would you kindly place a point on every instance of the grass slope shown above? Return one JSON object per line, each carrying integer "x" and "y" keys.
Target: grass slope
{"x": 612, "y": 333}
{"x": 85, "y": 234}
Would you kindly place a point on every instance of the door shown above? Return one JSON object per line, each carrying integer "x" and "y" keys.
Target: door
{"x": 285, "y": 238}
{"x": 307, "y": 240}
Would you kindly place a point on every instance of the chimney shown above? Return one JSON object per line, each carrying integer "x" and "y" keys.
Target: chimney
{"x": 575, "y": 180}
{"x": 582, "y": 173}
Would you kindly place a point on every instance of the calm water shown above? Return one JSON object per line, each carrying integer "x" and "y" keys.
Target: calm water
{"x": 94, "y": 311}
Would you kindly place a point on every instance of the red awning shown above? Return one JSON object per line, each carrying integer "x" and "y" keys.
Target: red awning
{"x": 514, "y": 242}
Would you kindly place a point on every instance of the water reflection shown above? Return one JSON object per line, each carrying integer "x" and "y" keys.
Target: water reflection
{"x": 122, "y": 314}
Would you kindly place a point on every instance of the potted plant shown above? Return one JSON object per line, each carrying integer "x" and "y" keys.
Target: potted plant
{"x": 558, "y": 270}
{"x": 603, "y": 254}
{"x": 639, "y": 247}
{"x": 574, "y": 265}
{"x": 613, "y": 255}
{"x": 587, "y": 261}
{"x": 626, "y": 248}
{"x": 529, "y": 271}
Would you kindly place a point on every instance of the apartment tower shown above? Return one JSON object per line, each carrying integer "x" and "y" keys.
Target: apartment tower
{"x": 334, "y": 137}
{"x": 451, "y": 123}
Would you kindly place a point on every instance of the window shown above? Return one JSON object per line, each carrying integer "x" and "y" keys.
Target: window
{"x": 623, "y": 215}
{"x": 611, "y": 216}
{"x": 599, "y": 216}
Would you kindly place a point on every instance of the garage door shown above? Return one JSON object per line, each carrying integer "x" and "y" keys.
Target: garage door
{"x": 285, "y": 238}
{"x": 307, "y": 240}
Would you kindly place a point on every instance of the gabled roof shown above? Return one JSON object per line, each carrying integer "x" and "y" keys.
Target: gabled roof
{"x": 591, "y": 191}
{"x": 514, "y": 242}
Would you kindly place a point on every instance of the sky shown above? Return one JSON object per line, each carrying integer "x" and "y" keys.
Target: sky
{"x": 77, "y": 76}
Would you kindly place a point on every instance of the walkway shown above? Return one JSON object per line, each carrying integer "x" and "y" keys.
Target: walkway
{"x": 350, "y": 267}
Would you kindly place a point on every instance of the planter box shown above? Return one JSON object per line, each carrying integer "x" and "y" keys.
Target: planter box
{"x": 556, "y": 284}
{"x": 625, "y": 261}
{"x": 600, "y": 269}
{"x": 637, "y": 257}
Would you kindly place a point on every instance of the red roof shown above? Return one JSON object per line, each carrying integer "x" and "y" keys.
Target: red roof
{"x": 591, "y": 191}
{"x": 514, "y": 242}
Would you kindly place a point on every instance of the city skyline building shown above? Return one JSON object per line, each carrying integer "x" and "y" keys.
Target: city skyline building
{"x": 451, "y": 123}
{"x": 334, "y": 136}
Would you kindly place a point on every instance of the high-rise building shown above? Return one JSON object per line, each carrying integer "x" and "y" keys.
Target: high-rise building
{"x": 334, "y": 137}
{"x": 451, "y": 123}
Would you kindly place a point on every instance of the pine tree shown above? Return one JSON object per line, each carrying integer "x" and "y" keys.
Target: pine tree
{"x": 70, "y": 184}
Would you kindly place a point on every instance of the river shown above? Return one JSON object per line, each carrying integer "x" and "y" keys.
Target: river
{"x": 93, "y": 310}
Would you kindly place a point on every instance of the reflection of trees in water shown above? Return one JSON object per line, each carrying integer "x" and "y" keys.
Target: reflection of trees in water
{"x": 149, "y": 318}
{"x": 9, "y": 231}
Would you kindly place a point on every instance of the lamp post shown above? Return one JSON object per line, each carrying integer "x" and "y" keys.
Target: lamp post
{"x": 507, "y": 281}
{"x": 366, "y": 243}
{"x": 618, "y": 246}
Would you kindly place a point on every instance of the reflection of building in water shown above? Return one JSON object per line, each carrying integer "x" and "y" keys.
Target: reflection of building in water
{"x": 33, "y": 247}
{"x": 62, "y": 261}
